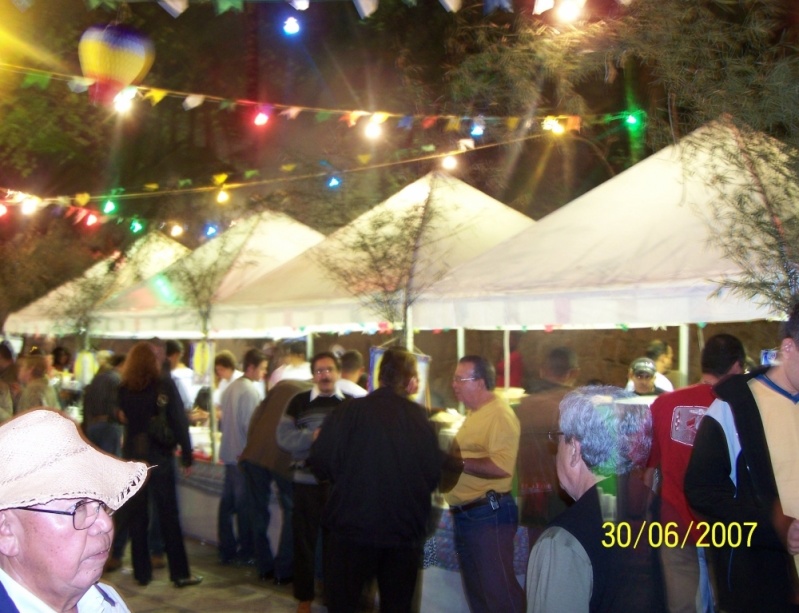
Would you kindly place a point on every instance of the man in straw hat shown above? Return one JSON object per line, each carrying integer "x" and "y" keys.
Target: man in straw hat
{"x": 57, "y": 493}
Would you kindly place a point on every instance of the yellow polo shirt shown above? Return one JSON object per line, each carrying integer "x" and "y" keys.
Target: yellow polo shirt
{"x": 491, "y": 431}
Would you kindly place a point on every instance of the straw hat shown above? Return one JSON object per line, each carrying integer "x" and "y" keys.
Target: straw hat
{"x": 43, "y": 457}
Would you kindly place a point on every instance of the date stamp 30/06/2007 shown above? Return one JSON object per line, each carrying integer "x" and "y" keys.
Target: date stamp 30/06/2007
{"x": 655, "y": 534}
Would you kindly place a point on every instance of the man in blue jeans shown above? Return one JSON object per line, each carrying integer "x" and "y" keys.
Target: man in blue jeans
{"x": 238, "y": 405}
{"x": 483, "y": 508}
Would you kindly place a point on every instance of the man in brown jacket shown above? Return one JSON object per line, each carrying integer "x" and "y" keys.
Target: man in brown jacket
{"x": 262, "y": 462}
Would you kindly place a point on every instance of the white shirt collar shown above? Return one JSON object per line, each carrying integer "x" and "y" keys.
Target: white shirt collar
{"x": 315, "y": 393}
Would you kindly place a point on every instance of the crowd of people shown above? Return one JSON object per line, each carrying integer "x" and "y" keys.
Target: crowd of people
{"x": 636, "y": 499}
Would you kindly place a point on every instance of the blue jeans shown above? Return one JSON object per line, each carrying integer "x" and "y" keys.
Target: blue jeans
{"x": 259, "y": 492}
{"x": 107, "y": 436}
{"x": 484, "y": 542}
{"x": 234, "y": 501}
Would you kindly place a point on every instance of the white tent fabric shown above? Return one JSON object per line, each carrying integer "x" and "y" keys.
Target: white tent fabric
{"x": 634, "y": 252}
{"x": 303, "y": 296}
{"x": 162, "y": 306}
{"x": 49, "y": 314}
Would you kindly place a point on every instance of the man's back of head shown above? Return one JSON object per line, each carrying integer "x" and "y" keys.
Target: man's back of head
{"x": 561, "y": 366}
{"x": 721, "y": 354}
{"x": 398, "y": 370}
{"x": 661, "y": 354}
{"x": 352, "y": 365}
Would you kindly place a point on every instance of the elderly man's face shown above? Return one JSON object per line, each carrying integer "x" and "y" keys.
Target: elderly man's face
{"x": 45, "y": 553}
{"x": 466, "y": 385}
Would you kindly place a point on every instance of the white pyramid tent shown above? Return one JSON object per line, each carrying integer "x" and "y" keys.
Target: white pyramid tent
{"x": 303, "y": 295}
{"x": 635, "y": 251}
{"x": 54, "y": 312}
{"x": 167, "y": 303}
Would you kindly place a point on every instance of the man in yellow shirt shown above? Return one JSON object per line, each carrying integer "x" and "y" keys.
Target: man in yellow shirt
{"x": 484, "y": 510}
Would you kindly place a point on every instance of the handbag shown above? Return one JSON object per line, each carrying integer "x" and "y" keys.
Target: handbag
{"x": 158, "y": 429}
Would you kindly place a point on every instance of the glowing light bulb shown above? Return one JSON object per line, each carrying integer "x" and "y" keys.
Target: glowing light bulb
{"x": 300, "y": 5}
{"x": 29, "y": 205}
{"x": 291, "y": 26}
{"x": 211, "y": 230}
{"x": 3, "y": 210}
{"x": 569, "y": 10}
{"x": 176, "y": 231}
{"x": 449, "y": 162}
{"x": 136, "y": 226}
{"x": 123, "y": 101}
{"x": 261, "y": 118}
{"x": 91, "y": 219}
{"x": 222, "y": 197}
{"x": 109, "y": 207}
{"x": 478, "y": 127}
{"x": 373, "y": 130}
{"x": 334, "y": 182}
{"x": 552, "y": 125}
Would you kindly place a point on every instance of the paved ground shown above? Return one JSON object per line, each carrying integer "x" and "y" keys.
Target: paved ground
{"x": 225, "y": 589}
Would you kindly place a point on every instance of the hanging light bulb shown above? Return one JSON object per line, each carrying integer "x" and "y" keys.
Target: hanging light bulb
{"x": 211, "y": 230}
{"x": 570, "y": 10}
{"x": 110, "y": 207}
{"x": 261, "y": 117}
{"x": 136, "y": 226}
{"x": 373, "y": 130}
{"x": 222, "y": 197}
{"x": 300, "y": 5}
{"x": 333, "y": 182}
{"x": 91, "y": 219}
{"x": 449, "y": 162}
{"x": 478, "y": 127}
{"x": 29, "y": 205}
{"x": 3, "y": 210}
{"x": 176, "y": 230}
{"x": 551, "y": 124}
{"x": 123, "y": 101}
{"x": 291, "y": 26}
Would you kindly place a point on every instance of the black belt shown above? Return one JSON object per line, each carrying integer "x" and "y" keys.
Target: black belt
{"x": 480, "y": 502}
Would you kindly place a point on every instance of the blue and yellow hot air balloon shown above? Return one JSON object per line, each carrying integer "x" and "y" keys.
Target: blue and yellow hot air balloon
{"x": 113, "y": 56}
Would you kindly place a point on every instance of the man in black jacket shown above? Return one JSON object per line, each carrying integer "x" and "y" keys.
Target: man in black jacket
{"x": 743, "y": 478}
{"x": 382, "y": 457}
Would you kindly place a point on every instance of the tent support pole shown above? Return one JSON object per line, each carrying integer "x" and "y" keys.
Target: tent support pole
{"x": 506, "y": 356}
{"x": 684, "y": 353}
{"x": 460, "y": 336}
{"x": 409, "y": 329}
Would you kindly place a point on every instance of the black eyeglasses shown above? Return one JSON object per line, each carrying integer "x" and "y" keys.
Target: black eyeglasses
{"x": 554, "y": 435}
{"x": 84, "y": 513}
{"x": 324, "y": 371}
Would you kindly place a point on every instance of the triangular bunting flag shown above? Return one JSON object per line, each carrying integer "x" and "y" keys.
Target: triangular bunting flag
{"x": 36, "y": 79}
{"x": 291, "y": 112}
{"x": 155, "y": 96}
{"x": 222, "y": 6}
{"x": 192, "y": 101}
